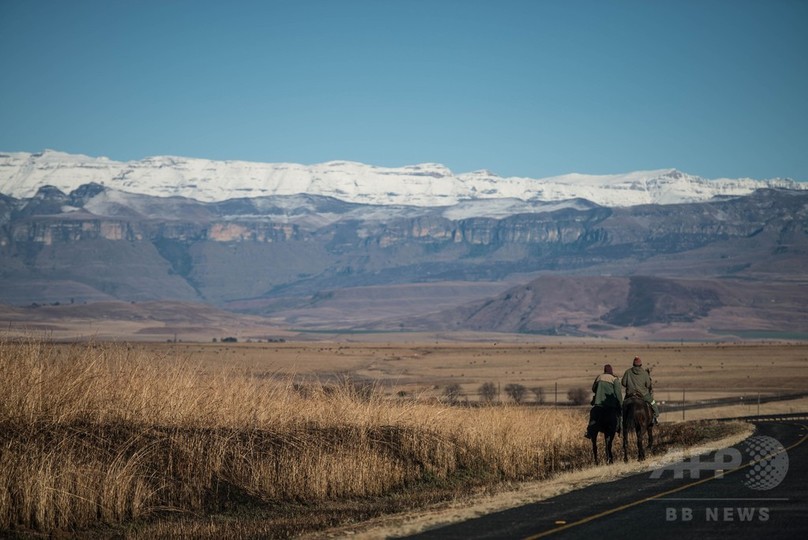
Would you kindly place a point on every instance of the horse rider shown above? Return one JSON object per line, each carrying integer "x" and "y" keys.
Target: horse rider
{"x": 637, "y": 380}
{"x": 608, "y": 395}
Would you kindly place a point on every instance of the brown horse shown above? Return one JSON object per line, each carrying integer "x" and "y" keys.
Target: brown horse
{"x": 607, "y": 421}
{"x": 637, "y": 416}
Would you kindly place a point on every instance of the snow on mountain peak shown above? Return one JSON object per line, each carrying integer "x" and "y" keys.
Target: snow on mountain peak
{"x": 424, "y": 184}
{"x": 675, "y": 174}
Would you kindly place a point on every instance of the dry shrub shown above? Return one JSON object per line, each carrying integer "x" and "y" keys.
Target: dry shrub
{"x": 104, "y": 433}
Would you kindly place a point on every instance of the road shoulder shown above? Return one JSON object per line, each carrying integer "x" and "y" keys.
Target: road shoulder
{"x": 475, "y": 506}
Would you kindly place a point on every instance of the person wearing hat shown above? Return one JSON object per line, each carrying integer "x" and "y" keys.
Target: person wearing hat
{"x": 607, "y": 396}
{"x": 638, "y": 380}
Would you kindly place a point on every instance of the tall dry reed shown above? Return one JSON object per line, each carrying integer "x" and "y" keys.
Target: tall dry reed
{"x": 104, "y": 433}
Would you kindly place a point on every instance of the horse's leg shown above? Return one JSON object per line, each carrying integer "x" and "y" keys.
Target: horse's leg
{"x": 614, "y": 426}
{"x": 595, "y": 448}
{"x": 640, "y": 450}
{"x": 651, "y": 439}
{"x": 625, "y": 441}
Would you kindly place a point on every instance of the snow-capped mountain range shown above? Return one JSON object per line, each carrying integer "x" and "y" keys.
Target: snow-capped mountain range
{"x": 426, "y": 184}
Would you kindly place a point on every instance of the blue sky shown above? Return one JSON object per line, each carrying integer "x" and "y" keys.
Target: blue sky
{"x": 523, "y": 88}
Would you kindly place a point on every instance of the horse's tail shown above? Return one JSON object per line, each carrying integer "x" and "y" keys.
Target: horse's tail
{"x": 628, "y": 416}
{"x": 634, "y": 406}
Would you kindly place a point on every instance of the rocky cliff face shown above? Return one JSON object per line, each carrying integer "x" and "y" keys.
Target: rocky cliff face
{"x": 263, "y": 247}
{"x": 75, "y": 229}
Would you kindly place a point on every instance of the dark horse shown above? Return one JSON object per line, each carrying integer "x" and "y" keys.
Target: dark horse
{"x": 607, "y": 420}
{"x": 637, "y": 415}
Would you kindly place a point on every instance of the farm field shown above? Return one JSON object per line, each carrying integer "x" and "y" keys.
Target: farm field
{"x": 703, "y": 371}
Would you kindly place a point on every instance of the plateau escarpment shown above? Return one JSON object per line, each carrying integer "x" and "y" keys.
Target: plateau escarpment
{"x": 278, "y": 255}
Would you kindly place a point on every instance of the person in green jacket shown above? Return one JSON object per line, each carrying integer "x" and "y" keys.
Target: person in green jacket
{"x": 638, "y": 380}
{"x": 608, "y": 395}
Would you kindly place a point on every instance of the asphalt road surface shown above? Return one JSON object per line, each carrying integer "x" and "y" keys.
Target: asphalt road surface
{"x": 755, "y": 489}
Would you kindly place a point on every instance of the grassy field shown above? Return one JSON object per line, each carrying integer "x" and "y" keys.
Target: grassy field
{"x": 277, "y": 439}
{"x": 702, "y": 370}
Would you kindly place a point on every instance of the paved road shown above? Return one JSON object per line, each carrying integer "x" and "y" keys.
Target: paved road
{"x": 753, "y": 497}
{"x": 749, "y": 400}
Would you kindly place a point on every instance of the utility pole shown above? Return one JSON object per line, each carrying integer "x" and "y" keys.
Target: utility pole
{"x": 683, "y": 404}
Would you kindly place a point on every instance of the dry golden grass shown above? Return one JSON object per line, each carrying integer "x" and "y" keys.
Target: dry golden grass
{"x": 106, "y": 434}
{"x": 109, "y": 433}
{"x": 704, "y": 370}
